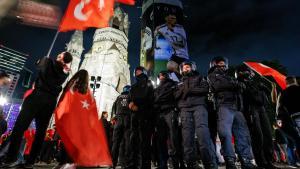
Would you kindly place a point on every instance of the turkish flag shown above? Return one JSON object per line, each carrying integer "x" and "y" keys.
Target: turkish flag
{"x": 27, "y": 93}
{"x": 29, "y": 137}
{"x": 264, "y": 70}
{"x": 82, "y": 14}
{"x": 81, "y": 131}
{"x": 128, "y": 2}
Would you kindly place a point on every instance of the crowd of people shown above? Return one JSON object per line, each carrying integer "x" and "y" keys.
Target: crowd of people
{"x": 175, "y": 124}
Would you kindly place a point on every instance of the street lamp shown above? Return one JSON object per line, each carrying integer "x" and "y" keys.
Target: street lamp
{"x": 94, "y": 84}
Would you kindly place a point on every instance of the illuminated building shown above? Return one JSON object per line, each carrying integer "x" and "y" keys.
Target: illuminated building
{"x": 107, "y": 60}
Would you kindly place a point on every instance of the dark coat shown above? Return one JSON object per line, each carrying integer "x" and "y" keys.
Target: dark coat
{"x": 142, "y": 94}
{"x": 164, "y": 95}
{"x": 192, "y": 91}
{"x": 227, "y": 89}
{"x": 120, "y": 106}
{"x": 50, "y": 76}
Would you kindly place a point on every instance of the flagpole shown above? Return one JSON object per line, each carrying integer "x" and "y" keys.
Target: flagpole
{"x": 267, "y": 80}
{"x": 52, "y": 44}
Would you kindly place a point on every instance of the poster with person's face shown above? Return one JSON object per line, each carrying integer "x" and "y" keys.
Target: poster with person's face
{"x": 175, "y": 34}
{"x": 162, "y": 36}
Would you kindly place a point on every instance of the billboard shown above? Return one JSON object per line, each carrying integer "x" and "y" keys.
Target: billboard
{"x": 162, "y": 35}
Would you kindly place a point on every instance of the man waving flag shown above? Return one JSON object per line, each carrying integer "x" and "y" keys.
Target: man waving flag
{"x": 264, "y": 70}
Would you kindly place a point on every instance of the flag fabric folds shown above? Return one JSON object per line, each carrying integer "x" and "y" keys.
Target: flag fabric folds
{"x": 81, "y": 131}
{"x": 264, "y": 70}
{"x": 128, "y": 2}
{"x": 82, "y": 14}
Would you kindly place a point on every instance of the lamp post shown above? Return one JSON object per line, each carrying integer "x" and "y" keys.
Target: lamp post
{"x": 94, "y": 84}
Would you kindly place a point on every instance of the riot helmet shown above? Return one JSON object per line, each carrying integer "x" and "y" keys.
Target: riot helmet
{"x": 126, "y": 88}
{"x": 219, "y": 62}
{"x": 191, "y": 64}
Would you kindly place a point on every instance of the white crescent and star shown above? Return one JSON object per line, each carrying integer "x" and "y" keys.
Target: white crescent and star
{"x": 101, "y": 4}
{"x": 262, "y": 65}
{"x": 78, "y": 11}
{"x": 85, "y": 104}
{"x": 79, "y": 15}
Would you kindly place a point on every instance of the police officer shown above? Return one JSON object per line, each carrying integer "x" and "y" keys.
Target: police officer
{"x": 167, "y": 124}
{"x": 142, "y": 118}
{"x": 230, "y": 119}
{"x": 254, "y": 101}
{"x": 121, "y": 114}
{"x": 191, "y": 96}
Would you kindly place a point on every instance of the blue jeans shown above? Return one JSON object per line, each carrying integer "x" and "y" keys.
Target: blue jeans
{"x": 196, "y": 120}
{"x": 232, "y": 122}
{"x": 297, "y": 122}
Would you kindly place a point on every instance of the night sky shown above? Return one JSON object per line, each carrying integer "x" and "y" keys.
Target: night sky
{"x": 238, "y": 29}
{"x": 245, "y": 29}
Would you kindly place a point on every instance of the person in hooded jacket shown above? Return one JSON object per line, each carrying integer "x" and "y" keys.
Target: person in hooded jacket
{"x": 141, "y": 98}
{"x": 191, "y": 96}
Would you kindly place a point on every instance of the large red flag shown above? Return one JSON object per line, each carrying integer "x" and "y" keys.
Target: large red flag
{"x": 128, "y": 2}
{"x": 264, "y": 70}
{"x": 82, "y": 14}
{"x": 29, "y": 138}
{"x": 81, "y": 131}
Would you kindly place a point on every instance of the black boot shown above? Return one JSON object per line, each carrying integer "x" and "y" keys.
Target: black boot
{"x": 28, "y": 166}
{"x": 175, "y": 163}
{"x": 247, "y": 164}
{"x": 193, "y": 165}
{"x": 210, "y": 166}
{"x": 182, "y": 164}
{"x": 230, "y": 164}
{"x": 270, "y": 166}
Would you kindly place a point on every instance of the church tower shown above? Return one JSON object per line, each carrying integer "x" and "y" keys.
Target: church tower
{"x": 107, "y": 61}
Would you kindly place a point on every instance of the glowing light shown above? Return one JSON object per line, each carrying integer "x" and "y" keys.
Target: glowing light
{"x": 3, "y": 100}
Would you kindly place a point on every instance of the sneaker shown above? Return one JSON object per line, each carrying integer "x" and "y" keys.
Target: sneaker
{"x": 58, "y": 166}
{"x": 271, "y": 166}
{"x": 28, "y": 166}
{"x": 291, "y": 166}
